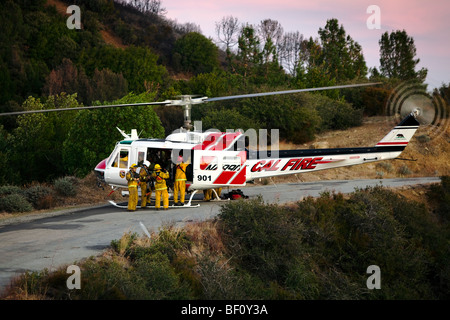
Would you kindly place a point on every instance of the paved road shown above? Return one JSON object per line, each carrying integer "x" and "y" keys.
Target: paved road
{"x": 67, "y": 236}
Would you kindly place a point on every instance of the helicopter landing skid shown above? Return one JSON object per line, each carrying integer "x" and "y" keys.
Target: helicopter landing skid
{"x": 153, "y": 207}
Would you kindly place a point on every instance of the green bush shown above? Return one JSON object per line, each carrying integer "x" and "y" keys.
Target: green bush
{"x": 66, "y": 186}
{"x": 159, "y": 279}
{"x": 15, "y": 203}
{"x": 9, "y": 189}
{"x": 440, "y": 194}
{"x": 265, "y": 238}
{"x": 339, "y": 238}
{"x": 39, "y": 196}
{"x": 335, "y": 114}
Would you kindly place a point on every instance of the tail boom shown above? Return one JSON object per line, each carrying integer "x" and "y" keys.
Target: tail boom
{"x": 262, "y": 165}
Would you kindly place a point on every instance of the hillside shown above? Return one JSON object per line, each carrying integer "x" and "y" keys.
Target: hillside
{"x": 108, "y": 36}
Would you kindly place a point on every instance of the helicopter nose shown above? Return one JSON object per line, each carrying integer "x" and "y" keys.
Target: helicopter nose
{"x": 100, "y": 169}
{"x": 101, "y": 166}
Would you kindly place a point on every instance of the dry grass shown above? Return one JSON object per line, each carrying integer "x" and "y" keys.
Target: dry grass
{"x": 111, "y": 39}
{"x": 205, "y": 237}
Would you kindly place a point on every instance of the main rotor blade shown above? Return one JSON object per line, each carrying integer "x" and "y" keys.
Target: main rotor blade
{"x": 251, "y": 95}
{"x": 87, "y": 107}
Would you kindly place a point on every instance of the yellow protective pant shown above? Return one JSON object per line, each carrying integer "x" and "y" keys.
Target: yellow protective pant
{"x": 165, "y": 196}
{"x": 144, "y": 197}
{"x": 133, "y": 198}
{"x": 207, "y": 193}
{"x": 179, "y": 188}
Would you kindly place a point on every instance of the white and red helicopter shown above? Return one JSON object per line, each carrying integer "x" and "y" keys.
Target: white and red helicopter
{"x": 221, "y": 159}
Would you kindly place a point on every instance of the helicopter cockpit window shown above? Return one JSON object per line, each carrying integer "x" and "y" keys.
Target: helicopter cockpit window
{"x": 121, "y": 159}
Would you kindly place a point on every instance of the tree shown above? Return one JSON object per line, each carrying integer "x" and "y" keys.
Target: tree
{"x": 227, "y": 30}
{"x": 249, "y": 53}
{"x": 104, "y": 85}
{"x": 397, "y": 57}
{"x": 271, "y": 33}
{"x": 147, "y": 6}
{"x": 70, "y": 79}
{"x": 93, "y": 134}
{"x": 35, "y": 146}
{"x": 312, "y": 70}
{"x": 108, "y": 85}
{"x": 291, "y": 49}
{"x": 342, "y": 55}
{"x": 138, "y": 65}
{"x": 195, "y": 53}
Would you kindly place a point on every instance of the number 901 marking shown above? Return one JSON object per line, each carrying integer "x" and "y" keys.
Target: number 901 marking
{"x": 203, "y": 178}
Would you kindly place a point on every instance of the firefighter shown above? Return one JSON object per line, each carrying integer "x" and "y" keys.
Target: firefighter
{"x": 144, "y": 177}
{"x": 160, "y": 187}
{"x": 180, "y": 181}
{"x": 133, "y": 182}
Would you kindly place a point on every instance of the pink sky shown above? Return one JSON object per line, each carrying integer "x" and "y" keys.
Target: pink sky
{"x": 428, "y": 22}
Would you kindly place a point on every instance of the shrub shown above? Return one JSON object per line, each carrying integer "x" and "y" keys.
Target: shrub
{"x": 384, "y": 165}
{"x": 123, "y": 245}
{"x": 15, "y": 203}
{"x": 424, "y": 138}
{"x": 66, "y": 186}
{"x": 440, "y": 195}
{"x": 404, "y": 170}
{"x": 264, "y": 238}
{"x": 41, "y": 197}
{"x": 9, "y": 189}
{"x": 159, "y": 278}
{"x": 336, "y": 114}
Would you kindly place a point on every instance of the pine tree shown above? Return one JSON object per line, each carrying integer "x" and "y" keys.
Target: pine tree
{"x": 341, "y": 55}
{"x": 397, "y": 57}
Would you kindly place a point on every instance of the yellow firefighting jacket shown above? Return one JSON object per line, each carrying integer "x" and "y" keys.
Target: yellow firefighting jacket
{"x": 160, "y": 179}
{"x": 143, "y": 175}
{"x": 132, "y": 182}
{"x": 180, "y": 173}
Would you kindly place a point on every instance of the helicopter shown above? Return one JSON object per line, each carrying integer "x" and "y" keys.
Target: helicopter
{"x": 222, "y": 159}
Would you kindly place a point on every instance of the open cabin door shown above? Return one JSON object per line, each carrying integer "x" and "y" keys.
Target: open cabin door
{"x": 118, "y": 165}
{"x": 213, "y": 169}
